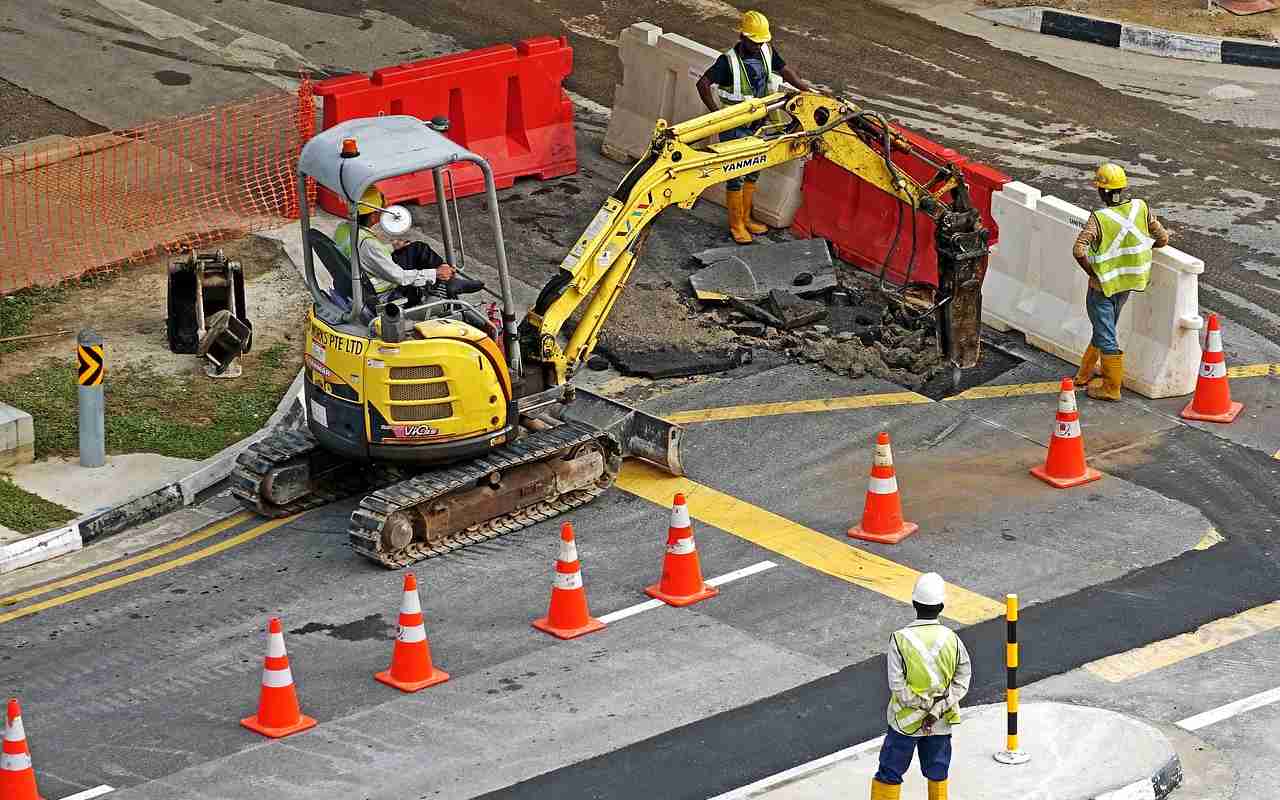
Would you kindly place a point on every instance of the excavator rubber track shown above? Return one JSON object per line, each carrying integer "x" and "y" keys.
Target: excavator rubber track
{"x": 276, "y": 450}
{"x": 369, "y": 519}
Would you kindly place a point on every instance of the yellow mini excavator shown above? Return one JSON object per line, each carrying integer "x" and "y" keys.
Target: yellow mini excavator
{"x": 456, "y": 433}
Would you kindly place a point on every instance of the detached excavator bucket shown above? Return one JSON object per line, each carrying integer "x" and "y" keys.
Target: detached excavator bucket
{"x": 642, "y": 435}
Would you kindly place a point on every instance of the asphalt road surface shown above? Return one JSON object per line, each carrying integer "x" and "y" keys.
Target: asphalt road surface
{"x": 135, "y": 672}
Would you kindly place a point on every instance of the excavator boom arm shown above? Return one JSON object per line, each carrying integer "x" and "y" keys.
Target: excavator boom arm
{"x": 675, "y": 172}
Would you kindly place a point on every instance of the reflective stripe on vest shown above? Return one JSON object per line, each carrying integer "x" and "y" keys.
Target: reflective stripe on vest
{"x": 342, "y": 238}
{"x": 929, "y": 657}
{"x": 738, "y": 70}
{"x": 1122, "y": 257}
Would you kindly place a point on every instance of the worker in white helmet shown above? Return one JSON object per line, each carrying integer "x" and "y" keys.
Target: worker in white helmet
{"x": 928, "y": 677}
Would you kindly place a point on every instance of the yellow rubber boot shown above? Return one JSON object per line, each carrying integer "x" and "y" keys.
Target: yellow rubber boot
{"x": 1108, "y": 386}
{"x": 738, "y": 217}
{"x": 1088, "y": 362}
{"x": 937, "y": 790}
{"x": 885, "y": 791}
{"x": 748, "y": 204}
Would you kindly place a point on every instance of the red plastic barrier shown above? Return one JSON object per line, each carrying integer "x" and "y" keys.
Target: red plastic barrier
{"x": 859, "y": 220}
{"x": 504, "y": 103}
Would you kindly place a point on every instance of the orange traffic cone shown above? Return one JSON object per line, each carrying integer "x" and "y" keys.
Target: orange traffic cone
{"x": 278, "y": 714}
{"x": 17, "y": 778}
{"x": 1064, "y": 465}
{"x": 882, "y": 513}
{"x": 568, "y": 616}
{"x": 411, "y": 667}
{"x": 681, "y": 583}
{"x": 1212, "y": 401}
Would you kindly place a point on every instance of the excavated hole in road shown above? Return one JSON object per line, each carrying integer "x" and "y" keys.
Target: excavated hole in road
{"x": 866, "y": 331}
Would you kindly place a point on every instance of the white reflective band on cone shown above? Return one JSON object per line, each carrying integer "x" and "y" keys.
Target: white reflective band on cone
{"x": 1213, "y": 342}
{"x": 411, "y": 604}
{"x": 1218, "y": 370}
{"x": 13, "y": 731}
{"x": 681, "y": 547}
{"x": 275, "y": 645}
{"x": 571, "y": 580}
{"x": 1068, "y": 430}
{"x": 15, "y": 762}
{"x": 1067, "y": 402}
{"x": 568, "y": 551}
{"x": 680, "y": 516}
{"x": 413, "y": 633}
{"x": 884, "y": 456}
{"x": 276, "y": 678}
{"x": 883, "y": 485}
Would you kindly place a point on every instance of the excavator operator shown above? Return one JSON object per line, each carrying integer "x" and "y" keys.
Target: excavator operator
{"x": 408, "y": 269}
{"x": 751, "y": 68}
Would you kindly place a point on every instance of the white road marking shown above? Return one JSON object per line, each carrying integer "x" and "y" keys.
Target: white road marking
{"x": 249, "y": 50}
{"x": 752, "y": 789}
{"x": 648, "y": 605}
{"x": 87, "y": 794}
{"x": 1230, "y": 710}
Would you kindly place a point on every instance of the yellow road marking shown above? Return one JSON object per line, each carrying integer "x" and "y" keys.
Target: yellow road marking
{"x": 116, "y": 566}
{"x": 1210, "y": 538}
{"x": 1253, "y": 371}
{"x": 724, "y": 413}
{"x": 1219, "y": 633}
{"x": 1011, "y": 390}
{"x": 798, "y": 543}
{"x": 798, "y": 407}
{"x": 124, "y": 580}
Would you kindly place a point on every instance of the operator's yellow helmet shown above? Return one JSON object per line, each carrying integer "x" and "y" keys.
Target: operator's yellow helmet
{"x": 1111, "y": 176}
{"x": 755, "y": 26}
{"x": 371, "y": 201}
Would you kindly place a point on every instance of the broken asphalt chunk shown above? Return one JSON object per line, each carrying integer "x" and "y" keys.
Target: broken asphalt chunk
{"x": 751, "y": 272}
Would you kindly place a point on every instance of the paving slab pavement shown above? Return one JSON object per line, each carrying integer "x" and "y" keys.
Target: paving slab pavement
{"x": 1077, "y": 753}
{"x": 81, "y": 489}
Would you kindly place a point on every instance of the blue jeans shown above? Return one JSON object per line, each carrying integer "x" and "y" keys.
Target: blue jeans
{"x": 1104, "y": 313}
{"x": 735, "y": 184}
{"x": 896, "y": 752}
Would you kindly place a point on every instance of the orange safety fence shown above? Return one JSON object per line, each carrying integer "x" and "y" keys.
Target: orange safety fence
{"x": 71, "y": 207}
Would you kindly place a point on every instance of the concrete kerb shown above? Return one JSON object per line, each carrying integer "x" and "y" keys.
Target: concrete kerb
{"x": 1135, "y": 38}
{"x": 152, "y": 504}
{"x": 1077, "y": 752}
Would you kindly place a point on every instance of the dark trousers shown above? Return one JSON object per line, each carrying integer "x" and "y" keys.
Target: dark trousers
{"x": 898, "y": 748}
{"x": 735, "y": 184}
{"x": 417, "y": 255}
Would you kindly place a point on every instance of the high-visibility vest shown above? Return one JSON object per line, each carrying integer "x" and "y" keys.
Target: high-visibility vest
{"x": 741, "y": 89}
{"x": 342, "y": 238}
{"x": 1121, "y": 259}
{"x": 929, "y": 655}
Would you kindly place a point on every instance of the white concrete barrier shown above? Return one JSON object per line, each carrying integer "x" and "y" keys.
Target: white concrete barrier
{"x": 660, "y": 72}
{"x": 1033, "y": 285}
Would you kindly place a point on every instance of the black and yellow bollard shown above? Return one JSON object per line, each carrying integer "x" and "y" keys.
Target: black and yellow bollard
{"x": 91, "y": 368}
{"x": 1011, "y": 754}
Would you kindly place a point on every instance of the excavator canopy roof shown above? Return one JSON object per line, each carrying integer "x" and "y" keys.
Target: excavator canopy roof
{"x": 389, "y": 146}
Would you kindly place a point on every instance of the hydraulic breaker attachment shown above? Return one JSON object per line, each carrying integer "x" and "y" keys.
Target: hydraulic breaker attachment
{"x": 641, "y": 435}
{"x": 962, "y": 251}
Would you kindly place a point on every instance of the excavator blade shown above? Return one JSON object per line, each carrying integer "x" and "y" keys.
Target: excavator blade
{"x": 641, "y": 435}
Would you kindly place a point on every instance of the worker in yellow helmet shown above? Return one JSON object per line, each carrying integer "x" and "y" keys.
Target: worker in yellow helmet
{"x": 751, "y": 68}
{"x": 409, "y": 264}
{"x": 1114, "y": 250}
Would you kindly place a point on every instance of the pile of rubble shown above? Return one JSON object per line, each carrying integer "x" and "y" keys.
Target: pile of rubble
{"x": 788, "y": 297}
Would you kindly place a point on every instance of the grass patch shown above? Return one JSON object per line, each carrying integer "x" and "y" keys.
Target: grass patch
{"x": 184, "y": 416}
{"x": 25, "y": 512}
{"x": 18, "y": 309}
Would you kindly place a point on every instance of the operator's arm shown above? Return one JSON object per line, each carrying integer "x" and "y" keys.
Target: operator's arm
{"x": 716, "y": 75}
{"x": 375, "y": 260}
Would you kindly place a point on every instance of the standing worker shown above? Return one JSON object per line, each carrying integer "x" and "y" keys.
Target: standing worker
{"x": 1114, "y": 250}
{"x": 751, "y": 68}
{"x": 928, "y": 677}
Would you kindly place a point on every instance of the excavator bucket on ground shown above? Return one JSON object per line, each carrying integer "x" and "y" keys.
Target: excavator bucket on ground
{"x": 640, "y": 434}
